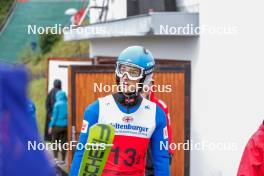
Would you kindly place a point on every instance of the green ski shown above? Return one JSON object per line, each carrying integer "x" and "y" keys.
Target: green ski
{"x": 99, "y": 141}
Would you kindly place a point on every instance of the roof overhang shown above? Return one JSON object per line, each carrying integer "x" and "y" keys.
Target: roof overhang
{"x": 153, "y": 24}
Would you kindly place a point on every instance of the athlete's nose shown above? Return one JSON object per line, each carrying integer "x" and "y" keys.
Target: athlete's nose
{"x": 125, "y": 77}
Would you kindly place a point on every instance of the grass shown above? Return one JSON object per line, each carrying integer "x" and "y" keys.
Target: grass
{"x": 37, "y": 92}
{"x": 61, "y": 49}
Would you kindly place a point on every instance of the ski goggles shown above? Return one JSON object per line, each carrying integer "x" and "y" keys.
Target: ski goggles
{"x": 132, "y": 71}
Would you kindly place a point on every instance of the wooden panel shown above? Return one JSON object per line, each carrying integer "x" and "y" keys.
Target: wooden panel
{"x": 71, "y": 59}
{"x": 70, "y": 98}
{"x": 158, "y": 61}
{"x": 85, "y": 93}
{"x": 175, "y": 102}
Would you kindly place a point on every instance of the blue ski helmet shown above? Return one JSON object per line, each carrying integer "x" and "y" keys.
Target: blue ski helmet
{"x": 137, "y": 56}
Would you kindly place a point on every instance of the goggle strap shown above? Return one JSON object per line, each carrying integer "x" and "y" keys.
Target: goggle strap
{"x": 149, "y": 71}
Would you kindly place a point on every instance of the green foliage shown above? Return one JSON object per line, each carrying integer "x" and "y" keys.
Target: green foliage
{"x": 47, "y": 41}
{"x": 25, "y": 55}
{"x": 28, "y": 55}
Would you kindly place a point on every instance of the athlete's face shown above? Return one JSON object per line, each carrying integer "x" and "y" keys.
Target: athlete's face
{"x": 127, "y": 84}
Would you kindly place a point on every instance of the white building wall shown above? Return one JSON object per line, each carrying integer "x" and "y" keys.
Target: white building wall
{"x": 181, "y": 48}
{"x": 57, "y": 72}
{"x": 117, "y": 9}
{"x": 227, "y": 84}
{"x": 188, "y": 5}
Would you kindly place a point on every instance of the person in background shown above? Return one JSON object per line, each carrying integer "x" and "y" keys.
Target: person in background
{"x": 49, "y": 106}
{"x": 252, "y": 161}
{"x": 58, "y": 123}
{"x": 149, "y": 94}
